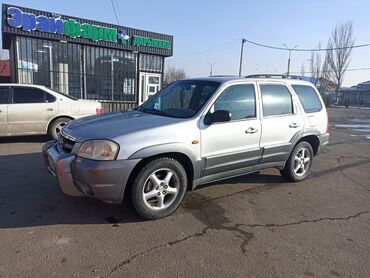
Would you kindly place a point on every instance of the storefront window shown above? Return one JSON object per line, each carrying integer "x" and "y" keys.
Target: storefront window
{"x": 54, "y": 64}
{"x": 84, "y": 71}
{"x": 151, "y": 63}
{"x": 110, "y": 74}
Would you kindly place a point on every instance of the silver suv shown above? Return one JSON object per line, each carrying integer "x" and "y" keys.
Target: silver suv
{"x": 193, "y": 132}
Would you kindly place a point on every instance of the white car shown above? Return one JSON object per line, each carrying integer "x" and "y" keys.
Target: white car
{"x": 34, "y": 109}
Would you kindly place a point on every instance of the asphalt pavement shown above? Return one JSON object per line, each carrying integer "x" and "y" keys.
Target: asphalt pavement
{"x": 257, "y": 225}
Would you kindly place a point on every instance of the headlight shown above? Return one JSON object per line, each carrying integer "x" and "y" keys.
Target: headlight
{"x": 98, "y": 150}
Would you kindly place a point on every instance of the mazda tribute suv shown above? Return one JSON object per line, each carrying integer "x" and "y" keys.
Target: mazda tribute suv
{"x": 192, "y": 132}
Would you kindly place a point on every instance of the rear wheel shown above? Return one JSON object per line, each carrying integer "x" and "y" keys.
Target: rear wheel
{"x": 159, "y": 188}
{"x": 299, "y": 162}
{"x": 56, "y": 126}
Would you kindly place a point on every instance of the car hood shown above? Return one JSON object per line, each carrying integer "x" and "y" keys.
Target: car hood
{"x": 115, "y": 124}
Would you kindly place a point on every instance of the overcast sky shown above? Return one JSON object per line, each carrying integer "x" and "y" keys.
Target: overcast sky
{"x": 206, "y": 30}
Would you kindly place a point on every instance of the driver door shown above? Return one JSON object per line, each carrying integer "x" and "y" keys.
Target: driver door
{"x": 233, "y": 145}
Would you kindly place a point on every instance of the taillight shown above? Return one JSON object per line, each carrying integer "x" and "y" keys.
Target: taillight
{"x": 99, "y": 110}
{"x": 327, "y": 122}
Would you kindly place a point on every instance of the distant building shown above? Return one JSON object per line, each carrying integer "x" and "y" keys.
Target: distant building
{"x": 356, "y": 95}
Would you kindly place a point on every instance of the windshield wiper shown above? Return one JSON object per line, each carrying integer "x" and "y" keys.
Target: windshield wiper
{"x": 154, "y": 111}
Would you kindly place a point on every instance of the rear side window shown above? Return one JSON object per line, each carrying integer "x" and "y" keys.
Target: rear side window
{"x": 28, "y": 95}
{"x": 276, "y": 100}
{"x": 4, "y": 95}
{"x": 308, "y": 97}
{"x": 239, "y": 100}
{"x": 50, "y": 98}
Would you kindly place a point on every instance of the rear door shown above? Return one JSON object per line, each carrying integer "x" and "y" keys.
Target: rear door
{"x": 281, "y": 121}
{"x": 313, "y": 106}
{"x": 30, "y": 110}
{"x": 4, "y": 100}
{"x": 233, "y": 145}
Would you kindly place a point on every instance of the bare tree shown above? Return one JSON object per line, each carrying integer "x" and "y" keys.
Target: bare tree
{"x": 315, "y": 65}
{"x": 172, "y": 74}
{"x": 326, "y": 76}
{"x": 303, "y": 70}
{"x": 338, "y": 59}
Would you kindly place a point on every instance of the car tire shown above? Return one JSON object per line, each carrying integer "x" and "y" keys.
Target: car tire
{"x": 159, "y": 188}
{"x": 56, "y": 126}
{"x": 299, "y": 162}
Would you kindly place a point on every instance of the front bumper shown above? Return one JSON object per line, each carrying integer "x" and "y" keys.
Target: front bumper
{"x": 103, "y": 180}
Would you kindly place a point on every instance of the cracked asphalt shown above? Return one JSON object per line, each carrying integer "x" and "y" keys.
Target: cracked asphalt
{"x": 257, "y": 225}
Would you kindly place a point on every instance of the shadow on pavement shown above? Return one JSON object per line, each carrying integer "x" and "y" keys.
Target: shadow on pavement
{"x": 24, "y": 139}
{"x": 29, "y": 196}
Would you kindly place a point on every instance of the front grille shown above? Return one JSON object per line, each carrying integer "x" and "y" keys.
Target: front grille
{"x": 65, "y": 143}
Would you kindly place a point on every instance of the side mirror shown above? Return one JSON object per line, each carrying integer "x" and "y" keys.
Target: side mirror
{"x": 219, "y": 116}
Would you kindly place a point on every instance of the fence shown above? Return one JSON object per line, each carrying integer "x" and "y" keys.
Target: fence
{"x": 110, "y": 106}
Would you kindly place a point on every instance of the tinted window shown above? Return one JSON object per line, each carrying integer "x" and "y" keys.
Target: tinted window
{"x": 239, "y": 100}
{"x": 4, "y": 95}
{"x": 28, "y": 95}
{"x": 49, "y": 97}
{"x": 308, "y": 97}
{"x": 276, "y": 100}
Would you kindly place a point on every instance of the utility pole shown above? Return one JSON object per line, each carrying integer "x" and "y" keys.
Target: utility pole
{"x": 241, "y": 56}
{"x": 211, "y": 67}
{"x": 290, "y": 50}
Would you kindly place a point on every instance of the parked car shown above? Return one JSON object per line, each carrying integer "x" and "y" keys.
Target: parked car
{"x": 193, "y": 132}
{"x": 34, "y": 109}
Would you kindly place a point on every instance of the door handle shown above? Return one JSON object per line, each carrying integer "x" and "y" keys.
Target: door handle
{"x": 294, "y": 125}
{"x": 49, "y": 109}
{"x": 251, "y": 130}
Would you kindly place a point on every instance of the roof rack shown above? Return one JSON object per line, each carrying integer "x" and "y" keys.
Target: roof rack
{"x": 267, "y": 75}
{"x": 224, "y": 75}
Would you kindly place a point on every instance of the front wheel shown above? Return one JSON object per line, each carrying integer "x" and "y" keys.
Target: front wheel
{"x": 159, "y": 188}
{"x": 299, "y": 162}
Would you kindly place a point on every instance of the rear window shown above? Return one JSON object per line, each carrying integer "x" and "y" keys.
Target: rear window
{"x": 308, "y": 97}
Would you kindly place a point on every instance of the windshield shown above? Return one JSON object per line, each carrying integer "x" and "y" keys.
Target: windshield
{"x": 65, "y": 95}
{"x": 180, "y": 99}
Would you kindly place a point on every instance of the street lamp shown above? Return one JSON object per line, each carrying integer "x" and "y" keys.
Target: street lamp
{"x": 211, "y": 67}
{"x": 290, "y": 50}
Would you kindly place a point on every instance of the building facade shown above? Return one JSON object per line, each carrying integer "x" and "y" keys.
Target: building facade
{"x": 83, "y": 58}
{"x": 356, "y": 95}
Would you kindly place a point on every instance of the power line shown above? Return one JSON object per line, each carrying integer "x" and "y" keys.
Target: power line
{"x": 208, "y": 49}
{"x": 118, "y": 10}
{"x": 351, "y": 69}
{"x": 115, "y": 12}
{"x": 306, "y": 49}
{"x": 214, "y": 50}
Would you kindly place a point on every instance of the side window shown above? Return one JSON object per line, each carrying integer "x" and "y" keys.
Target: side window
{"x": 50, "y": 98}
{"x": 276, "y": 100}
{"x": 308, "y": 97}
{"x": 240, "y": 100}
{"x": 4, "y": 95}
{"x": 28, "y": 95}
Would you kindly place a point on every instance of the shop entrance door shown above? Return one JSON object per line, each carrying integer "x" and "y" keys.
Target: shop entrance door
{"x": 150, "y": 84}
